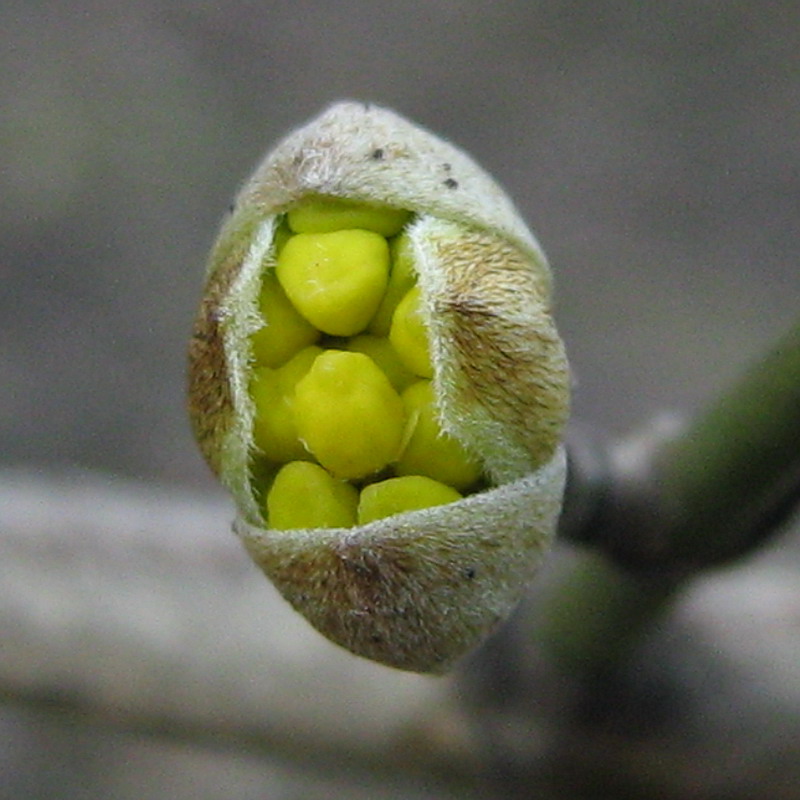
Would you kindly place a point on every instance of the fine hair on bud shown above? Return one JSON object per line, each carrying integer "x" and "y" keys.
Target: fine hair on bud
{"x": 376, "y": 377}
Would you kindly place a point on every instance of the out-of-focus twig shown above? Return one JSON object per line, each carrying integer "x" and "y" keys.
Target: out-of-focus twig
{"x": 683, "y": 495}
{"x": 131, "y": 605}
{"x": 653, "y": 512}
{"x": 139, "y": 607}
{"x": 669, "y": 501}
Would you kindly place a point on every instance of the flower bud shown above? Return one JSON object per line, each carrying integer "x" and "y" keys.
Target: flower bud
{"x": 466, "y": 307}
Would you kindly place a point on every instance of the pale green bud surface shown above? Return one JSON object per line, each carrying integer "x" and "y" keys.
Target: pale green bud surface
{"x": 409, "y": 334}
{"x": 381, "y": 351}
{"x": 304, "y": 495}
{"x": 402, "y": 277}
{"x": 429, "y": 451}
{"x": 348, "y": 414}
{"x": 285, "y": 331}
{"x": 398, "y": 495}
{"x": 335, "y": 280}
{"x": 326, "y": 214}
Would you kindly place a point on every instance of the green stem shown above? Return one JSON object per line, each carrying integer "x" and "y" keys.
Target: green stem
{"x": 708, "y": 495}
{"x": 738, "y": 462}
{"x": 594, "y": 614}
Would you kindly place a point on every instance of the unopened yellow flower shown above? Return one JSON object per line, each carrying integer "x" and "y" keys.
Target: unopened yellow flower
{"x": 365, "y": 254}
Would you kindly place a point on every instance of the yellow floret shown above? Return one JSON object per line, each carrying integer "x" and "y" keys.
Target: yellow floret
{"x": 429, "y": 451}
{"x": 398, "y": 495}
{"x": 335, "y": 280}
{"x": 325, "y": 214}
{"x": 409, "y": 334}
{"x": 402, "y": 277}
{"x": 380, "y": 350}
{"x": 348, "y": 414}
{"x": 285, "y": 331}
{"x": 294, "y": 369}
{"x": 273, "y": 390}
{"x": 303, "y": 495}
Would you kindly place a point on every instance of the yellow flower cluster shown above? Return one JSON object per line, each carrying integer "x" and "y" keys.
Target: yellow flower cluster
{"x": 346, "y": 425}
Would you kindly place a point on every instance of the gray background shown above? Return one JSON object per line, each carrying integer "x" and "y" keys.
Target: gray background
{"x": 653, "y": 146}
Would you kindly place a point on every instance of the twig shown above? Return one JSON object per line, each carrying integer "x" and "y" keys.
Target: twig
{"x": 681, "y": 497}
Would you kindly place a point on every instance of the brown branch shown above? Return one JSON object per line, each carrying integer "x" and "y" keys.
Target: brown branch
{"x": 138, "y": 608}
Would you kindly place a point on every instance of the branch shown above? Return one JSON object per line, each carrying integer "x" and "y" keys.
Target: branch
{"x": 677, "y": 498}
{"x": 139, "y": 607}
{"x": 668, "y": 502}
{"x": 133, "y": 606}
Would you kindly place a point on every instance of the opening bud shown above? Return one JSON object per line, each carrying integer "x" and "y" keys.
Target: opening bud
{"x": 376, "y": 377}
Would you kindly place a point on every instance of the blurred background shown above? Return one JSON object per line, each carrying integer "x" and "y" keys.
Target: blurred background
{"x": 654, "y": 148}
